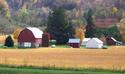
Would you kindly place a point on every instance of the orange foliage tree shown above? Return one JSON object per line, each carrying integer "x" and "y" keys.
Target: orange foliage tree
{"x": 79, "y": 33}
{"x": 16, "y": 33}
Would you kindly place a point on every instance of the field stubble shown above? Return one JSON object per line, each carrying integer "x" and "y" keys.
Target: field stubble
{"x": 112, "y": 58}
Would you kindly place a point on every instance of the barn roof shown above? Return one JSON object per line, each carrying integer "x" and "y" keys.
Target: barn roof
{"x": 36, "y": 32}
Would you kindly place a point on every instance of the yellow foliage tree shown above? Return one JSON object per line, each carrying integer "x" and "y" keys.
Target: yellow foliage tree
{"x": 34, "y": 1}
{"x": 123, "y": 14}
{"x": 24, "y": 8}
{"x": 103, "y": 39}
{"x": 16, "y": 33}
{"x": 4, "y": 8}
{"x": 114, "y": 10}
{"x": 2, "y": 2}
{"x": 79, "y": 33}
{"x": 8, "y": 14}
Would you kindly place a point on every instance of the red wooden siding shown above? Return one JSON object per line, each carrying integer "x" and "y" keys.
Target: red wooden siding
{"x": 26, "y": 36}
{"x": 74, "y": 45}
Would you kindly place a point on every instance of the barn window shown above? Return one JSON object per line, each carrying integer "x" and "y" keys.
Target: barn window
{"x": 27, "y": 44}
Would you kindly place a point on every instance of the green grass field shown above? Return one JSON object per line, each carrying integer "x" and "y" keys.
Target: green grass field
{"x": 31, "y": 70}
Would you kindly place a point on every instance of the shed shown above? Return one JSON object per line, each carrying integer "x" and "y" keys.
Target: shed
{"x": 30, "y": 37}
{"x": 85, "y": 40}
{"x": 111, "y": 41}
{"x": 45, "y": 39}
{"x": 94, "y": 43}
{"x": 75, "y": 43}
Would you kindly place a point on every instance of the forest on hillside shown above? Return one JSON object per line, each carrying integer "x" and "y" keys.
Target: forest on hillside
{"x": 23, "y": 13}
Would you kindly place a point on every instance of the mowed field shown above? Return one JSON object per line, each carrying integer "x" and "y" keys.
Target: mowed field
{"x": 111, "y": 58}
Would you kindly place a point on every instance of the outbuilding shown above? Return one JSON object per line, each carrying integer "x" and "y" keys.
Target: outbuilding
{"x": 112, "y": 41}
{"x": 30, "y": 37}
{"x": 85, "y": 40}
{"x": 75, "y": 43}
{"x": 94, "y": 43}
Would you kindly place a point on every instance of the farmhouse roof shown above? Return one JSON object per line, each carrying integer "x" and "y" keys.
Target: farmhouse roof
{"x": 86, "y": 39}
{"x": 96, "y": 39}
{"x": 36, "y": 32}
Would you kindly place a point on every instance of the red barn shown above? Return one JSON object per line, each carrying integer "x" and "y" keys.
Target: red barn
{"x": 30, "y": 37}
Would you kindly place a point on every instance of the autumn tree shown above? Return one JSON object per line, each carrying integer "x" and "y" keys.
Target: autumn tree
{"x": 79, "y": 32}
{"x": 24, "y": 13}
{"x": 16, "y": 33}
{"x": 121, "y": 28}
{"x": 59, "y": 26}
{"x": 4, "y": 10}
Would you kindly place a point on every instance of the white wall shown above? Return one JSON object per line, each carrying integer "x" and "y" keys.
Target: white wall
{"x": 93, "y": 44}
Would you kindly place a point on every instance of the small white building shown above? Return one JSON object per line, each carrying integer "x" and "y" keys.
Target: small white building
{"x": 75, "y": 43}
{"x": 85, "y": 40}
{"x": 94, "y": 43}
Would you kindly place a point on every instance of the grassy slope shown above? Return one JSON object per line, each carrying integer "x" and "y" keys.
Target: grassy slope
{"x": 7, "y": 70}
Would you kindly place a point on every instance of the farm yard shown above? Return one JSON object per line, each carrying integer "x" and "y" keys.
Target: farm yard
{"x": 28, "y": 52}
{"x": 62, "y": 37}
{"x": 64, "y": 57}
{"x": 111, "y": 58}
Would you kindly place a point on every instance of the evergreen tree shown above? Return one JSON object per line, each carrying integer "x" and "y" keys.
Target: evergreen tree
{"x": 9, "y": 42}
{"x": 90, "y": 25}
{"x": 58, "y": 26}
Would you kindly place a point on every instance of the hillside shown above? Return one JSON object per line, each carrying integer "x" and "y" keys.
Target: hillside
{"x": 35, "y": 12}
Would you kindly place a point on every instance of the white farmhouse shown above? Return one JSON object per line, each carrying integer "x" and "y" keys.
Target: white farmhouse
{"x": 85, "y": 40}
{"x": 94, "y": 43}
